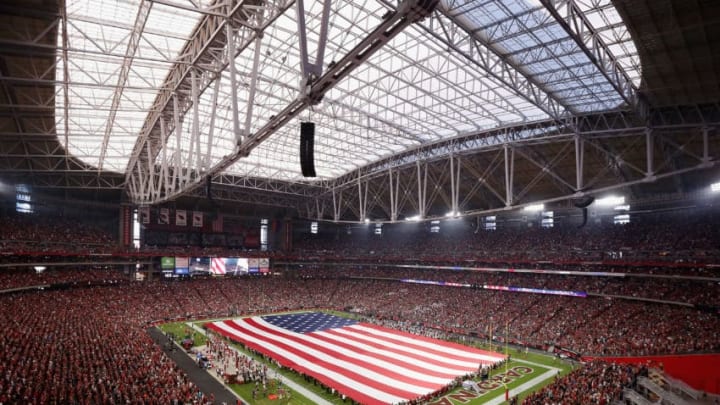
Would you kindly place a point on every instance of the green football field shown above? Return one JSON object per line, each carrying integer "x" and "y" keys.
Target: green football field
{"x": 522, "y": 375}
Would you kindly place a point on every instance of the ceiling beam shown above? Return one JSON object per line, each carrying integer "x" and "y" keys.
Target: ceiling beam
{"x": 573, "y": 20}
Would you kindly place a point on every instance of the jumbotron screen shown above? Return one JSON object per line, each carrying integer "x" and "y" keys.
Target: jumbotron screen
{"x": 217, "y": 266}
{"x": 199, "y": 265}
{"x": 182, "y": 265}
{"x": 167, "y": 263}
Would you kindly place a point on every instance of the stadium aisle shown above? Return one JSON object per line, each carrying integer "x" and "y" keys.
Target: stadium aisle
{"x": 204, "y": 381}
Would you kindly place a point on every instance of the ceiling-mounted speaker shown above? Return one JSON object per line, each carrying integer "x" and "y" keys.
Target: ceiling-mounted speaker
{"x": 307, "y": 146}
{"x": 584, "y": 217}
{"x": 584, "y": 202}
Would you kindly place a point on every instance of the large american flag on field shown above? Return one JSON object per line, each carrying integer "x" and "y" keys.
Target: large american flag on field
{"x": 368, "y": 363}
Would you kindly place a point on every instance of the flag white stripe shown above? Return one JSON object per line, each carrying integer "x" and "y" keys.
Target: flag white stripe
{"x": 370, "y": 359}
{"x": 340, "y": 378}
{"x": 369, "y": 374}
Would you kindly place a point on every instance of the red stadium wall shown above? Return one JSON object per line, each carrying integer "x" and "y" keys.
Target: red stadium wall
{"x": 700, "y": 371}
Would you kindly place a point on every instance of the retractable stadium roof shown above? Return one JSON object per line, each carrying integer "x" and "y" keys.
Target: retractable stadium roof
{"x": 469, "y": 67}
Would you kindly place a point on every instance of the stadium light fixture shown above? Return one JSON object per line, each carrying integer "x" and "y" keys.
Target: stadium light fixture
{"x": 367, "y": 220}
{"x": 623, "y": 207}
{"x": 534, "y": 207}
{"x": 414, "y": 218}
{"x": 451, "y": 214}
{"x": 715, "y": 187}
{"x": 610, "y": 201}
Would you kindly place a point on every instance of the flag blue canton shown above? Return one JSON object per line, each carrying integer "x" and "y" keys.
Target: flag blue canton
{"x": 308, "y": 322}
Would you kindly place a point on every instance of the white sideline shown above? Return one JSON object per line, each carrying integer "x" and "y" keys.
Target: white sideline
{"x": 526, "y": 385}
{"x": 292, "y": 384}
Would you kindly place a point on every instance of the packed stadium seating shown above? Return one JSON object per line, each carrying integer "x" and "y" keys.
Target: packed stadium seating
{"x": 95, "y": 327}
{"x": 107, "y": 322}
{"x": 595, "y": 383}
{"x": 39, "y": 233}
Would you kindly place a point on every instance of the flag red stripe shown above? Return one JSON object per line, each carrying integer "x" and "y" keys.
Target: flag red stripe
{"x": 357, "y": 394}
{"x": 399, "y": 362}
{"x": 429, "y": 387}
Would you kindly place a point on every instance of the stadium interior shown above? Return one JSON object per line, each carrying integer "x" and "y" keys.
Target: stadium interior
{"x": 531, "y": 180}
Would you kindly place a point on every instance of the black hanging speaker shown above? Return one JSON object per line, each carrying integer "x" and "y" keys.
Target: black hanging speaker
{"x": 584, "y": 216}
{"x": 584, "y": 202}
{"x": 307, "y": 145}
{"x": 208, "y": 187}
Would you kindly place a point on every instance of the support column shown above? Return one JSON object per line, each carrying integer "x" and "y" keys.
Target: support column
{"x": 649, "y": 153}
{"x": 394, "y": 197}
{"x": 362, "y": 199}
{"x": 211, "y": 130}
{"x": 193, "y": 149}
{"x": 288, "y": 235}
{"x": 337, "y": 205}
{"x": 253, "y": 86}
{"x": 579, "y": 163}
{"x": 422, "y": 190}
{"x": 233, "y": 82}
{"x": 509, "y": 173}
{"x": 177, "y": 173}
{"x": 454, "y": 183}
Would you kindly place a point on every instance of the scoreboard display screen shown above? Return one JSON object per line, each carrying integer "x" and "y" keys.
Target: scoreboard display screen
{"x": 167, "y": 263}
{"x": 200, "y": 265}
{"x": 182, "y": 265}
{"x": 253, "y": 265}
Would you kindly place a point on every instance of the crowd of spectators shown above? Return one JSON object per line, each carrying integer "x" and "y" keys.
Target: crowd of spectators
{"x": 28, "y": 277}
{"x": 81, "y": 346}
{"x": 676, "y": 238}
{"x": 61, "y": 343}
{"x": 38, "y": 233}
{"x": 687, "y": 290}
{"x": 597, "y": 382}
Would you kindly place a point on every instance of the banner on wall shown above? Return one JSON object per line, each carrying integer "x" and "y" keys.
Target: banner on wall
{"x": 164, "y": 217}
{"x": 217, "y": 223}
{"x": 144, "y": 215}
{"x": 197, "y": 219}
{"x": 180, "y": 218}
